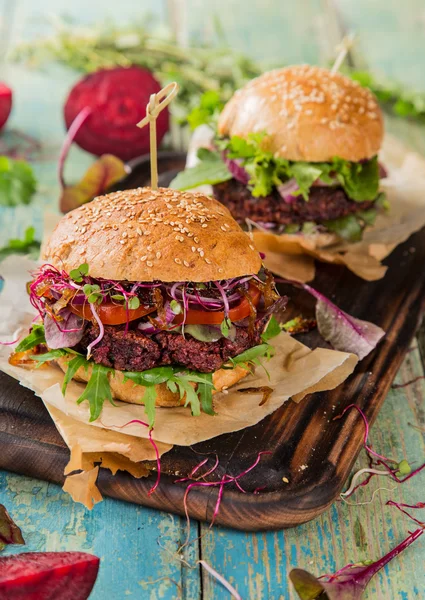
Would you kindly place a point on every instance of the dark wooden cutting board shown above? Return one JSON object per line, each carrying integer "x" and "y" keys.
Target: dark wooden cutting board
{"x": 314, "y": 453}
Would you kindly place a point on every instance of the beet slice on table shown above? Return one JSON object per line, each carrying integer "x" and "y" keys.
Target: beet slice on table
{"x": 118, "y": 99}
{"x": 48, "y": 576}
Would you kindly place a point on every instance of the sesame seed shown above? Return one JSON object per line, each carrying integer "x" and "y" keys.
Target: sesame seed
{"x": 122, "y": 241}
{"x": 143, "y": 258}
{"x": 158, "y": 254}
{"x": 149, "y": 263}
{"x": 204, "y": 225}
{"x": 207, "y": 260}
{"x": 124, "y": 234}
{"x": 139, "y": 231}
{"x": 178, "y": 261}
{"x": 186, "y": 264}
{"x": 193, "y": 249}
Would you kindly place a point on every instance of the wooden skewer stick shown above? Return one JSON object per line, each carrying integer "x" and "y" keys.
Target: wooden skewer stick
{"x": 157, "y": 102}
{"x": 343, "y": 49}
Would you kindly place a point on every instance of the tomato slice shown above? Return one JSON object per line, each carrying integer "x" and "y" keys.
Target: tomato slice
{"x": 237, "y": 313}
{"x": 110, "y": 313}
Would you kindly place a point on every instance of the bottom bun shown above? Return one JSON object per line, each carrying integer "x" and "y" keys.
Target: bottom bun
{"x": 127, "y": 391}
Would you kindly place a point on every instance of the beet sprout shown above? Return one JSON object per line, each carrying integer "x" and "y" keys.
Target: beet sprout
{"x": 392, "y": 472}
{"x": 101, "y": 331}
{"x": 402, "y": 506}
{"x": 225, "y": 299}
{"x": 76, "y": 125}
{"x": 221, "y": 579}
{"x": 366, "y": 433}
{"x": 11, "y": 343}
{"x": 154, "y": 446}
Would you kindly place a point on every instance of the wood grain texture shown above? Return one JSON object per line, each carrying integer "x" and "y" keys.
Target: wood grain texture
{"x": 126, "y": 536}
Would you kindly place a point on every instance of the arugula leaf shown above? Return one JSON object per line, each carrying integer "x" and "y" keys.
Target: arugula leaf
{"x": 72, "y": 368}
{"x": 28, "y": 245}
{"x": 149, "y": 400}
{"x": 134, "y": 303}
{"x": 153, "y": 376}
{"x": 192, "y": 398}
{"x": 97, "y": 390}
{"x": 252, "y": 354}
{"x": 272, "y": 330}
{"x": 35, "y": 338}
{"x": 17, "y": 182}
{"x": 209, "y": 171}
{"x": 48, "y": 356}
{"x": 205, "y": 394}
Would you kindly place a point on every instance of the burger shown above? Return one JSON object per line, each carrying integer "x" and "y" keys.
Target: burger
{"x": 151, "y": 296}
{"x": 295, "y": 151}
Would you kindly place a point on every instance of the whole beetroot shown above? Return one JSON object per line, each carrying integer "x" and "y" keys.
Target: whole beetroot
{"x": 117, "y": 99}
{"x": 5, "y": 103}
{"x": 48, "y": 576}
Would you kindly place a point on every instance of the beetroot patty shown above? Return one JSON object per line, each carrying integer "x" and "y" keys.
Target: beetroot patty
{"x": 134, "y": 351}
{"x": 324, "y": 204}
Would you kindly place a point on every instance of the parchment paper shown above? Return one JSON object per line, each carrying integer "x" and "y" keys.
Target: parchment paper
{"x": 292, "y": 255}
{"x": 295, "y": 371}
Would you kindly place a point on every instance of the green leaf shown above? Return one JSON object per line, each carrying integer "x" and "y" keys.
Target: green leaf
{"x": 368, "y": 216}
{"x": 225, "y": 327}
{"x": 149, "y": 400}
{"x": 10, "y": 533}
{"x": 403, "y": 468}
{"x": 307, "y": 586}
{"x": 153, "y": 376}
{"x": 134, "y": 303}
{"x": 48, "y": 356}
{"x": 210, "y": 106}
{"x": 17, "y": 182}
{"x": 176, "y": 307}
{"x": 28, "y": 245}
{"x": 99, "y": 177}
{"x": 191, "y": 396}
{"x": 347, "y": 227}
{"x": 272, "y": 330}
{"x": 252, "y": 353}
{"x": 97, "y": 390}
{"x": 35, "y": 338}
{"x": 359, "y": 180}
{"x": 73, "y": 366}
{"x": 205, "y": 394}
{"x": 206, "y": 172}
{"x": 305, "y": 175}
{"x": 78, "y": 274}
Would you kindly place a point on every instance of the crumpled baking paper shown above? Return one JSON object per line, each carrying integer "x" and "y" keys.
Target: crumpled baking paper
{"x": 292, "y": 256}
{"x": 295, "y": 371}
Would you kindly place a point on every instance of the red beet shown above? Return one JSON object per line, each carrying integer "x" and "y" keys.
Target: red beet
{"x": 48, "y": 576}
{"x": 5, "y": 103}
{"x": 118, "y": 99}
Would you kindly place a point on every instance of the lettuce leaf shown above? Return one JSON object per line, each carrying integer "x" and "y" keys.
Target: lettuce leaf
{"x": 360, "y": 181}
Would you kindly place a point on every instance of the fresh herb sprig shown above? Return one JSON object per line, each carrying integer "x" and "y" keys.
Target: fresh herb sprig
{"x": 28, "y": 245}
{"x": 17, "y": 182}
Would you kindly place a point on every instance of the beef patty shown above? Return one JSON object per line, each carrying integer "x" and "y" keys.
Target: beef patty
{"x": 134, "y": 351}
{"x": 324, "y": 204}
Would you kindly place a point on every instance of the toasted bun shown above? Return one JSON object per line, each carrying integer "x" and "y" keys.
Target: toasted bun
{"x": 128, "y": 392}
{"x": 308, "y": 114}
{"x": 147, "y": 235}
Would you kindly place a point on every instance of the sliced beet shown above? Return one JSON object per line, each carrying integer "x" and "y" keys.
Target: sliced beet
{"x": 118, "y": 99}
{"x": 48, "y": 576}
{"x": 5, "y": 103}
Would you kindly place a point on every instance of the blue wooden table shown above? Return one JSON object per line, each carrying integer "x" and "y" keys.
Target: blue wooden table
{"x": 138, "y": 546}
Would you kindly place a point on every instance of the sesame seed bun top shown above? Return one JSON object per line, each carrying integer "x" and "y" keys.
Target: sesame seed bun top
{"x": 147, "y": 235}
{"x": 308, "y": 114}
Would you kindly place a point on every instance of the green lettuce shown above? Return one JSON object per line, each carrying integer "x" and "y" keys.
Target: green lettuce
{"x": 360, "y": 180}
